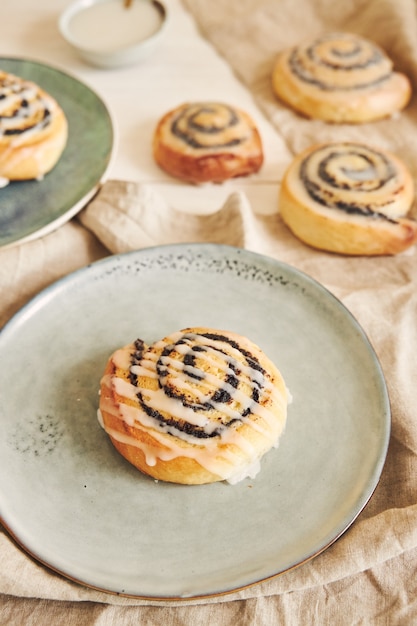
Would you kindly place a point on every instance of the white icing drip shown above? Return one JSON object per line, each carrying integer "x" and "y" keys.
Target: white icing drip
{"x": 100, "y": 418}
{"x": 134, "y": 416}
{"x": 215, "y": 383}
{"x": 12, "y": 157}
{"x": 149, "y": 360}
{"x": 13, "y": 93}
{"x": 220, "y": 462}
{"x": 121, "y": 359}
{"x": 253, "y": 377}
{"x": 220, "y": 454}
{"x": 248, "y": 471}
{"x": 158, "y": 401}
{"x": 144, "y": 369}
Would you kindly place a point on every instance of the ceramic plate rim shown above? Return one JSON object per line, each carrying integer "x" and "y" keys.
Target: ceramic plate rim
{"x": 85, "y": 274}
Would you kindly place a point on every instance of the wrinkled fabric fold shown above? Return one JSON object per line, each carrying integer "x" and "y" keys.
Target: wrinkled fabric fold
{"x": 128, "y": 216}
{"x": 371, "y": 569}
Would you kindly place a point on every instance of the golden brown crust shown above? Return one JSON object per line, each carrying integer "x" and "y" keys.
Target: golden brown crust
{"x": 207, "y": 142}
{"x": 190, "y": 442}
{"x": 33, "y": 129}
{"x": 182, "y": 470}
{"x": 350, "y": 199}
{"x": 356, "y": 88}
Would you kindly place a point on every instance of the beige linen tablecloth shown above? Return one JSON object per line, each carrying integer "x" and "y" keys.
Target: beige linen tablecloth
{"x": 369, "y": 576}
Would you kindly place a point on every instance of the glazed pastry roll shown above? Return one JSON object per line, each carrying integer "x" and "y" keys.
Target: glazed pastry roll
{"x": 340, "y": 77}
{"x": 33, "y": 129}
{"x": 349, "y": 198}
{"x": 207, "y": 142}
{"x": 198, "y": 406}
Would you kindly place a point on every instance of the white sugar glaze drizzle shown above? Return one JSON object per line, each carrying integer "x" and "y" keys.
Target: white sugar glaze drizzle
{"x": 213, "y": 453}
{"x": 254, "y": 377}
{"x": 222, "y": 464}
{"x": 13, "y": 157}
{"x": 134, "y": 416}
{"x": 23, "y": 101}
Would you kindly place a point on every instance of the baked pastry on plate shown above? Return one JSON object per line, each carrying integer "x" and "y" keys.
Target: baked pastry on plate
{"x": 33, "y": 129}
{"x": 349, "y": 198}
{"x": 207, "y": 142}
{"x": 340, "y": 77}
{"x": 198, "y": 406}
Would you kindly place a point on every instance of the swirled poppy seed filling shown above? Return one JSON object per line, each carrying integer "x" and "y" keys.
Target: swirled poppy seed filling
{"x": 184, "y": 126}
{"x": 328, "y": 176}
{"x": 182, "y": 356}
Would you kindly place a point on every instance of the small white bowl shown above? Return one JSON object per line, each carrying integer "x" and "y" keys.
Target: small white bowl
{"x": 107, "y": 34}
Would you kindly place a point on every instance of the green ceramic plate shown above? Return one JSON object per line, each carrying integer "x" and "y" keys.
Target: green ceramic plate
{"x": 30, "y": 209}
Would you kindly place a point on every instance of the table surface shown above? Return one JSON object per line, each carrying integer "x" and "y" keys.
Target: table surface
{"x": 184, "y": 67}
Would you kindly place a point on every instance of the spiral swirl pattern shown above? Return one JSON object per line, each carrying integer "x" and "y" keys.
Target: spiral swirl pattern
{"x": 340, "y": 61}
{"x": 24, "y": 108}
{"x": 206, "y": 397}
{"x": 349, "y": 198}
{"x": 209, "y": 125}
{"x": 340, "y": 77}
{"x": 217, "y": 381}
{"x": 353, "y": 178}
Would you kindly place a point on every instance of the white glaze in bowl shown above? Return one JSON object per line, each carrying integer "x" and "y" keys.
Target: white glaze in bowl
{"x": 107, "y": 34}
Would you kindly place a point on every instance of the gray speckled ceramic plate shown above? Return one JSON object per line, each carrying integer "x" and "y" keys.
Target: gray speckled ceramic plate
{"x": 76, "y": 505}
{"x": 31, "y": 209}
